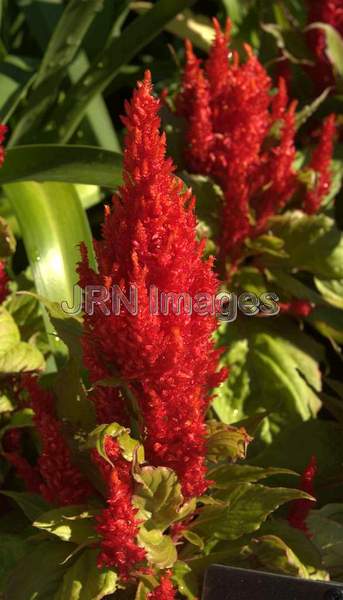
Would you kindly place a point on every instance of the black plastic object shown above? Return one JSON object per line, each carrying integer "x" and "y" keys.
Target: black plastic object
{"x": 228, "y": 583}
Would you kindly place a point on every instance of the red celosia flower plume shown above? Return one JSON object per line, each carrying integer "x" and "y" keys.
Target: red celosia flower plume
{"x": 323, "y": 11}
{"x": 165, "y": 590}
{"x": 117, "y": 524}
{"x": 62, "y": 483}
{"x": 300, "y": 509}
{"x": 239, "y": 135}
{"x": 167, "y": 360}
{"x": 321, "y": 164}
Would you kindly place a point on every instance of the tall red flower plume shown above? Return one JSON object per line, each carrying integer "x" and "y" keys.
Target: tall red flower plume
{"x": 323, "y": 11}
{"x": 165, "y": 590}
{"x": 62, "y": 483}
{"x": 230, "y": 122}
{"x": 300, "y": 509}
{"x": 167, "y": 360}
{"x": 321, "y": 164}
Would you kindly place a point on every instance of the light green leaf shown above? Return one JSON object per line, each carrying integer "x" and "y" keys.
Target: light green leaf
{"x": 160, "y": 548}
{"x": 69, "y": 164}
{"x": 7, "y": 240}
{"x": 274, "y": 555}
{"x": 334, "y": 45}
{"x": 248, "y": 506}
{"x": 229, "y": 398}
{"x": 16, "y": 356}
{"x": 322, "y": 254}
{"x": 225, "y": 442}
{"x": 70, "y": 523}
{"x": 331, "y": 290}
{"x": 158, "y": 495}
{"x": 85, "y": 581}
{"x": 226, "y": 475}
{"x": 326, "y": 527}
{"x": 130, "y": 448}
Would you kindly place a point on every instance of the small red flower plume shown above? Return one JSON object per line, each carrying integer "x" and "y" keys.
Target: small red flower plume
{"x": 238, "y": 134}
{"x": 167, "y": 360}
{"x": 62, "y": 483}
{"x": 3, "y": 131}
{"x": 300, "y": 509}
{"x": 165, "y": 590}
{"x": 321, "y": 165}
{"x": 117, "y": 524}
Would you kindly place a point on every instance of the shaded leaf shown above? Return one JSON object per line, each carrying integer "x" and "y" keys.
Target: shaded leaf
{"x": 32, "y": 505}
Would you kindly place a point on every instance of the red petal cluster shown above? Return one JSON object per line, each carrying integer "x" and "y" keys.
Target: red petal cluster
{"x": 297, "y": 308}
{"x": 62, "y": 483}
{"x": 117, "y": 524}
{"x": 321, "y": 165}
{"x": 4, "y": 279}
{"x": 324, "y": 11}
{"x": 165, "y": 590}
{"x": 240, "y": 136}
{"x": 300, "y": 509}
{"x": 168, "y": 361}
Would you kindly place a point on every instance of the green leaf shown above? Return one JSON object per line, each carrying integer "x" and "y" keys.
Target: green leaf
{"x": 186, "y": 582}
{"x": 323, "y": 253}
{"x": 273, "y": 554}
{"x": 326, "y": 527}
{"x": 334, "y": 45}
{"x": 38, "y": 574}
{"x": 160, "y": 548}
{"x": 230, "y": 397}
{"x": 305, "y": 113}
{"x": 294, "y": 447}
{"x": 69, "y": 164}
{"x": 225, "y": 442}
{"x": 248, "y": 506}
{"x": 12, "y": 549}
{"x": 331, "y": 290}
{"x": 226, "y": 475}
{"x": 108, "y": 63}
{"x": 72, "y": 403}
{"x": 16, "y": 75}
{"x": 85, "y": 581}
{"x": 32, "y": 505}
{"x": 129, "y": 447}
{"x": 63, "y": 45}
{"x": 16, "y": 356}
{"x": 70, "y": 523}
{"x": 7, "y": 240}
{"x": 158, "y": 495}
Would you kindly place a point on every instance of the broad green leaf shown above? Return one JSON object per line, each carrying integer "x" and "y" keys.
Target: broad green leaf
{"x": 226, "y": 475}
{"x": 16, "y": 75}
{"x": 326, "y": 527}
{"x": 72, "y": 164}
{"x": 37, "y": 576}
{"x": 248, "y": 506}
{"x": 7, "y": 240}
{"x": 322, "y": 254}
{"x": 160, "y": 548}
{"x": 229, "y": 398}
{"x": 294, "y": 447}
{"x": 12, "y": 548}
{"x": 16, "y": 356}
{"x": 334, "y": 45}
{"x": 108, "y": 63}
{"x": 70, "y": 523}
{"x": 53, "y": 224}
{"x": 185, "y": 581}
{"x": 225, "y": 442}
{"x": 272, "y": 554}
{"x": 85, "y": 581}
{"x": 158, "y": 495}
{"x": 72, "y": 403}
{"x": 331, "y": 290}
{"x": 32, "y": 505}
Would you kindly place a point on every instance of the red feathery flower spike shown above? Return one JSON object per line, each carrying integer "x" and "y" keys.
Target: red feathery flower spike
{"x": 321, "y": 164}
{"x": 165, "y": 590}
{"x": 300, "y": 509}
{"x": 62, "y": 483}
{"x": 167, "y": 360}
